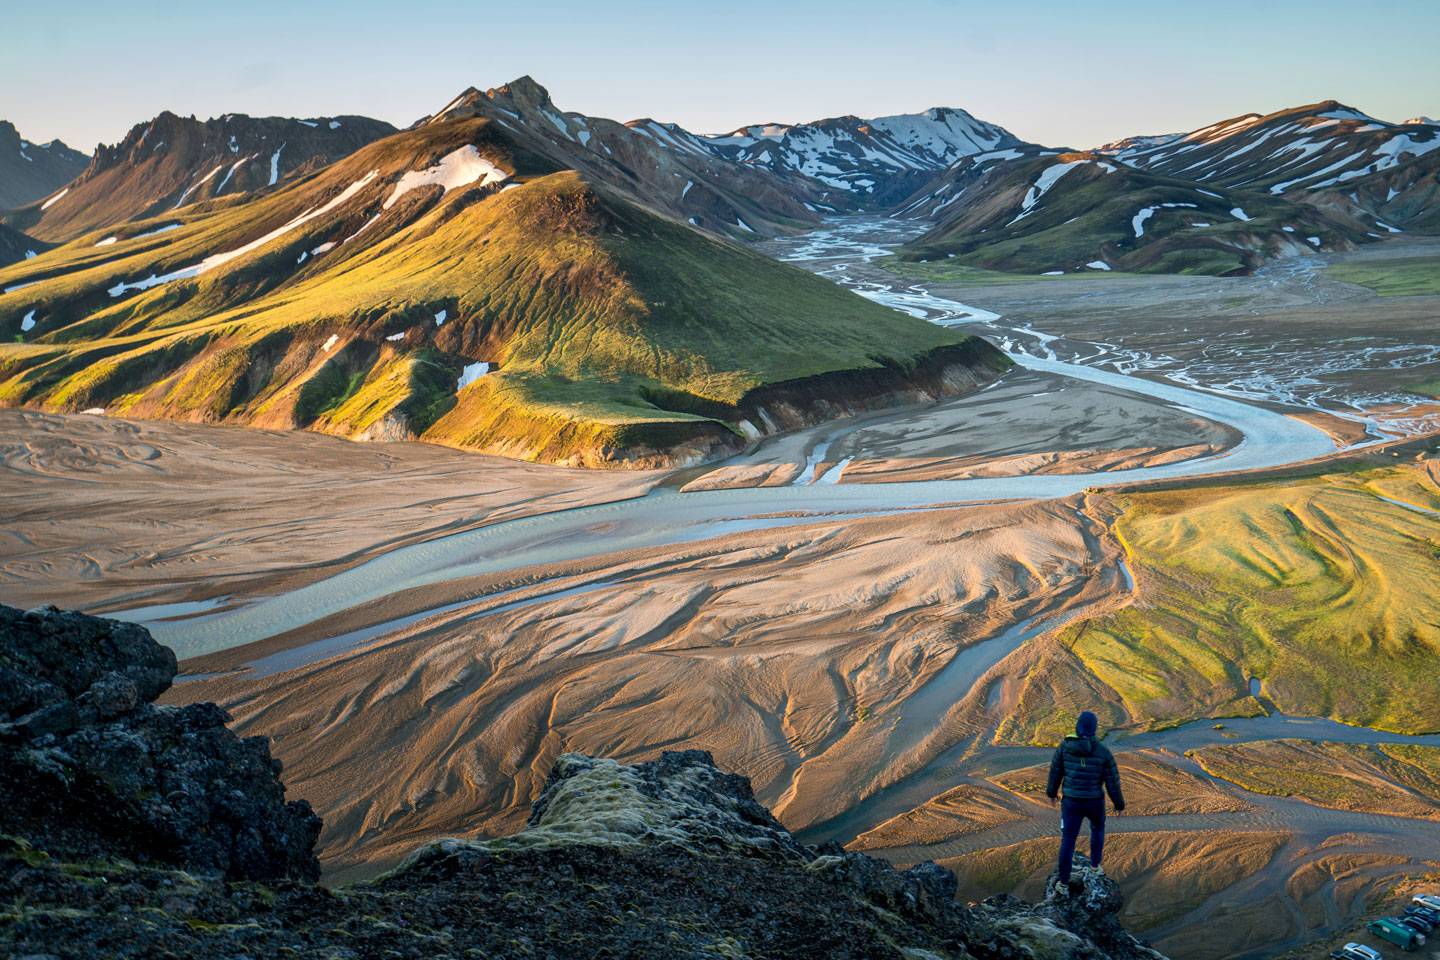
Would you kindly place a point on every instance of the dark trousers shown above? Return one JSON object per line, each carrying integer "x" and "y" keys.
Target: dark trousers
{"x": 1072, "y": 814}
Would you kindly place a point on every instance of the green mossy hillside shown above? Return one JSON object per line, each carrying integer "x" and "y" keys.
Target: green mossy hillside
{"x": 1407, "y": 277}
{"x": 1322, "y": 588}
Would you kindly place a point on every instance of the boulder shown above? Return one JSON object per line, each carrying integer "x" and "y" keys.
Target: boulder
{"x": 89, "y": 763}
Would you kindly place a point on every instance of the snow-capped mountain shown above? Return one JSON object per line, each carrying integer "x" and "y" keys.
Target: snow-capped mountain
{"x": 1042, "y": 212}
{"x": 1132, "y": 145}
{"x": 1301, "y": 148}
{"x": 682, "y": 174}
{"x": 173, "y": 161}
{"x": 874, "y": 162}
{"x": 29, "y": 171}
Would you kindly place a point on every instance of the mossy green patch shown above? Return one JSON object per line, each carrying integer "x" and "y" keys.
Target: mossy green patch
{"x": 1319, "y": 586}
{"x": 1401, "y": 277}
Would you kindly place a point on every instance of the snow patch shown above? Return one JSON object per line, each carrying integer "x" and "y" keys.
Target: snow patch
{"x": 1098, "y": 265}
{"x": 1053, "y": 273}
{"x": 331, "y": 342}
{"x": 440, "y": 318}
{"x": 275, "y": 166}
{"x": 1380, "y": 223}
{"x": 1138, "y": 221}
{"x": 215, "y": 260}
{"x": 181, "y": 202}
{"x": 396, "y": 336}
{"x": 1239, "y": 214}
{"x": 107, "y": 241}
{"x": 334, "y": 124}
{"x": 231, "y": 173}
{"x": 27, "y": 323}
{"x": 46, "y": 204}
{"x": 31, "y": 254}
{"x": 308, "y": 123}
{"x": 455, "y": 169}
{"x": 1045, "y": 181}
{"x": 1314, "y": 240}
{"x": 470, "y": 374}
{"x": 94, "y": 411}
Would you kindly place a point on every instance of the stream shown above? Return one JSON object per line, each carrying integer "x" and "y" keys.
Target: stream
{"x": 666, "y": 517}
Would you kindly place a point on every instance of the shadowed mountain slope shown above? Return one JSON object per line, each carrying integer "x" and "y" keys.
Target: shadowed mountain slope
{"x": 1041, "y": 213}
{"x": 172, "y": 161}
{"x": 16, "y": 246}
{"x": 31, "y": 171}
{"x": 1379, "y": 174}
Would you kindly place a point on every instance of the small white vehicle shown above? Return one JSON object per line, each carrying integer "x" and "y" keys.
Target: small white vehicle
{"x": 1426, "y": 900}
{"x": 1357, "y": 951}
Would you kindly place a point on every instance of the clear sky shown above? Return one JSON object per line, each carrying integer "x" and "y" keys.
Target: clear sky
{"x": 1073, "y": 73}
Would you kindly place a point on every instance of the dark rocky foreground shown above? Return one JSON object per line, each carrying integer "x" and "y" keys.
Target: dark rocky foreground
{"x": 131, "y": 830}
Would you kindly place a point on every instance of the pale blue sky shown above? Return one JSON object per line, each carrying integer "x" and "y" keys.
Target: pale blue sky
{"x": 1073, "y": 73}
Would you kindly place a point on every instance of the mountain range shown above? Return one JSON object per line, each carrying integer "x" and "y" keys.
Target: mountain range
{"x": 475, "y": 282}
{"x": 507, "y": 276}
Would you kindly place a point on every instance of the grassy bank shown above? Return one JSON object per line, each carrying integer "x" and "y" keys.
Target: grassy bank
{"x": 1318, "y": 586}
{"x": 1408, "y": 277}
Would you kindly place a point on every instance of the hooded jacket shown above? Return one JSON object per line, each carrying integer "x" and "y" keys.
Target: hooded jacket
{"x": 1087, "y": 769}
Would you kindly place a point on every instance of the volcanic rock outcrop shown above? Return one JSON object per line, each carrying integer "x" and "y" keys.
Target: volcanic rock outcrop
{"x": 130, "y": 830}
{"x": 90, "y": 766}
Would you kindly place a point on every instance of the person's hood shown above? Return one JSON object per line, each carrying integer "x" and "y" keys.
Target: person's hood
{"x": 1080, "y": 746}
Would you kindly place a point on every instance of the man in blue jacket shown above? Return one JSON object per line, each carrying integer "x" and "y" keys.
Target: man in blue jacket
{"x": 1087, "y": 769}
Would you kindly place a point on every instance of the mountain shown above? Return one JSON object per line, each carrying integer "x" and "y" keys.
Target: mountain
{"x": 1403, "y": 197}
{"x": 173, "y": 161}
{"x": 661, "y": 164}
{"x": 1300, "y": 148}
{"x": 1130, "y": 145}
{"x": 16, "y": 246}
{"x": 464, "y": 282}
{"x": 30, "y": 171}
{"x": 1347, "y": 163}
{"x": 1041, "y": 213}
{"x": 866, "y": 162}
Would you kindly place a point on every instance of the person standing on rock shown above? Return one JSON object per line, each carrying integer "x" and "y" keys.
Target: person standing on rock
{"x": 1087, "y": 770}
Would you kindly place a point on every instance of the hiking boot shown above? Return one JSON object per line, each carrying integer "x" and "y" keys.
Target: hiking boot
{"x": 1061, "y": 890}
